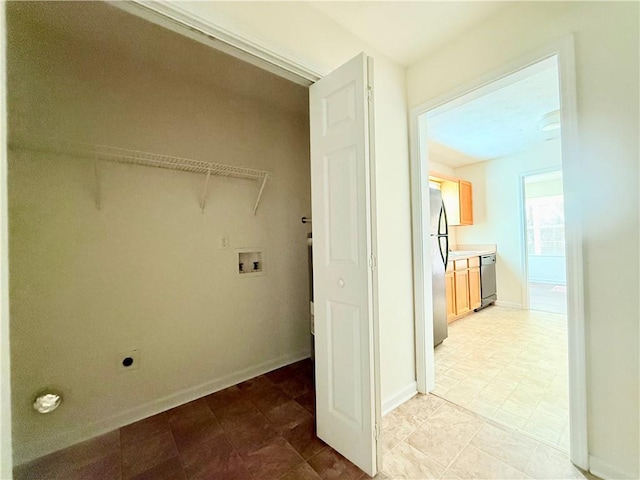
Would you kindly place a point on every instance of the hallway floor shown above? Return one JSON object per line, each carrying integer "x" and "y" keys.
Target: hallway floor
{"x": 431, "y": 438}
{"x": 261, "y": 429}
{"x": 510, "y": 366}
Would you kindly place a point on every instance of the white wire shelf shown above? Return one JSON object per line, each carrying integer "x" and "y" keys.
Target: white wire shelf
{"x": 105, "y": 153}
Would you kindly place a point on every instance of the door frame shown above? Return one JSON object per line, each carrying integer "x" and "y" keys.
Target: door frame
{"x": 226, "y": 35}
{"x": 523, "y": 228}
{"x": 564, "y": 50}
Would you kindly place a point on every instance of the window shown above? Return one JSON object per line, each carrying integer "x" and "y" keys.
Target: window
{"x": 545, "y": 225}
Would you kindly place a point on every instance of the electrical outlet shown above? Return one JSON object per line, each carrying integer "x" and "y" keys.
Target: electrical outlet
{"x": 224, "y": 241}
{"x": 129, "y": 361}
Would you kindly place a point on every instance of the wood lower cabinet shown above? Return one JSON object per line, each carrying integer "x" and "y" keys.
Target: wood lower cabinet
{"x": 450, "y": 288}
{"x": 475, "y": 298}
{"x": 462, "y": 282}
{"x": 462, "y": 291}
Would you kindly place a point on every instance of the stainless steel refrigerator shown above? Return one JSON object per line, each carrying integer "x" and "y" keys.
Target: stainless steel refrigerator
{"x": 439, "y": 257}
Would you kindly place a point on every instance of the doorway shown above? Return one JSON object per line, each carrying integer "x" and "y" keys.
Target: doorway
{"x": 502, "y": 195}
{"x": 503, "y": 362}
{"x": 543, "y": 203}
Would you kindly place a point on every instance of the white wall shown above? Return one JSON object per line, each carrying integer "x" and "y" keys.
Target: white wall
{"x": 145, "y": 272}
{"x": 6, "y": 461}
{"x": 395, "y": 280}
{"x": 305, "y": 32}
{"x": 437, "y": 167}
{"x": 607, "y": 53}
{"x": 497, "y": 212}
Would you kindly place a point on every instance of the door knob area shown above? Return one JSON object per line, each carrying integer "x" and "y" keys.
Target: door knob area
{"x": 341, "y": 283}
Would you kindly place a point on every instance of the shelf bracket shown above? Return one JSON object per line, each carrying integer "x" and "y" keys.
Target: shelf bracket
{"x": 98, "y": 192}
{"x": 264, "y": 182}
{"x": 205, "y": 190}
{"x": 104, "y": 153}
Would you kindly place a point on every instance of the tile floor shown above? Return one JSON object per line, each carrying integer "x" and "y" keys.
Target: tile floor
{"x": 510, "y": 366}
{"x": 431, "y": 438}
{"x": 547, "y": 297}
{"x": 261, "y": 429}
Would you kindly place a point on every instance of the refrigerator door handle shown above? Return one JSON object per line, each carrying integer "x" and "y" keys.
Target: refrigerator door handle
{"x": 443, "y": 213}
{"x": 446, "y": 260}
{"x": 439, "y": 240}
{"x": 444, "y": 256}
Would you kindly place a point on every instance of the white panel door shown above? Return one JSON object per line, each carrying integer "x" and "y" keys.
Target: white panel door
{"x": 342, "y": 250}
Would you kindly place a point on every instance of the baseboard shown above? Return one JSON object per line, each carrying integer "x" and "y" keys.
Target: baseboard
{"x": 502, "y": 303}
{"x": 399, "y": 398}
{"x": 26, "y": 452}
{"x": 602, "y": 469}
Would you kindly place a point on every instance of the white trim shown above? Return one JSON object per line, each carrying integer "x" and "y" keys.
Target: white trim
{"x": 70, "y": 437}
{"x": 602, "y": 469}
{"x": 572, "y": 173}
{"x": 374, "y": 293}
{"x": 502, "y": 303}
{"x": 522, "y": 216}
{"x": 398, "y": 398}
{"x": 420, "y": 221}
{"x": 225, "y": 34}
{"x": 564, "y": 50}
{"x": 5, "y": 361}
{"x": 524, "y": 266}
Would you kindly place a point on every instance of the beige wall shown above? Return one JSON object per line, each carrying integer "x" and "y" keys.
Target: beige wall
{"x": 497, "y": 212}
{"x": 6, "y": 460}
{"x": 607, "y": 53}
{"x": 145, "y": 272}
{"x": 304, "y": 32}
{"x": 395, "y": 281}
{"x": 437, "y": 167}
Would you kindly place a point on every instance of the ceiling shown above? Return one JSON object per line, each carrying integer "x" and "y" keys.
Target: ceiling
{"x": 408, "y": 31}
{"x": 498, "y": 120}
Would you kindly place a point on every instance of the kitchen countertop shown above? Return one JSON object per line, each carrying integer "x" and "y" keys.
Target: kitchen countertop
{"x": 462, "y": 254}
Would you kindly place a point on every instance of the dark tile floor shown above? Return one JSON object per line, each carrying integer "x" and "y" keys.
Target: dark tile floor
{"x": 261, "y": 429}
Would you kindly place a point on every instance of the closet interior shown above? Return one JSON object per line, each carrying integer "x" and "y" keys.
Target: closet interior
{"x": 114, "y": 260}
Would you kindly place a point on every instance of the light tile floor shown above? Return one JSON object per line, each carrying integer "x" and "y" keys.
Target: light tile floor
{"x": 510, "y": 366}
{"x": 431, "y": 438}
{"x": 547, "y": 297}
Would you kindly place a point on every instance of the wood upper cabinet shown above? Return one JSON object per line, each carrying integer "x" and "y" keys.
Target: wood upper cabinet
{"x": 457, "y": 196}
{"x": 466, "y": 202}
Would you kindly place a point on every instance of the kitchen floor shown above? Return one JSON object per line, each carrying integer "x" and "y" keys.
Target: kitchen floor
{"x": 261, "y": 429}
{"x": 509, "y": 366}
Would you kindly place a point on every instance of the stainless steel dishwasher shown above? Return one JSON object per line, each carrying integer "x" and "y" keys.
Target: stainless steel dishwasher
{"x": 487, "y": 280}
